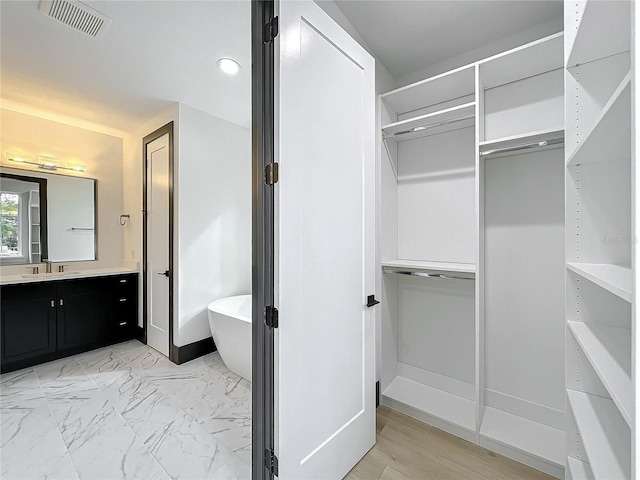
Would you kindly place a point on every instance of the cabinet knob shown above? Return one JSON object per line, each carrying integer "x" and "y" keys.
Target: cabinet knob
{"x": 53, "y": 303}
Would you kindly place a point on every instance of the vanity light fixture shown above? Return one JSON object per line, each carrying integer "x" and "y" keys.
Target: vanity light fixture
{"x": 228, "y": 66}
{"x": 45, "y": 162}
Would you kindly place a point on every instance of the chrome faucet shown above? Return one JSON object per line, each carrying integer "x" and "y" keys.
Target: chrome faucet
{"x": 47, "y": 264}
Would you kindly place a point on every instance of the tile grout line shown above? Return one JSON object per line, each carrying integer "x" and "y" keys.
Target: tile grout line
{"x": 44, "y": 395}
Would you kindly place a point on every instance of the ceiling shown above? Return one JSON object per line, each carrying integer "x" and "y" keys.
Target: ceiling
{"x": 408, "y": 35}
{"x": 159, "y": 52}
{"x": 153, "y": 54}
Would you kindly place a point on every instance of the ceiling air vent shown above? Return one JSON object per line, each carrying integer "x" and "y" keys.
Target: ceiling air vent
{"x": 75, "y": 14}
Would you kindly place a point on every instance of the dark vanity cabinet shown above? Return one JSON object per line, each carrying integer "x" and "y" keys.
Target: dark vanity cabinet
{"x": 49, "y": 320}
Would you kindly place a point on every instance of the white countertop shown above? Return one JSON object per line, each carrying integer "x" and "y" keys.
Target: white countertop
{"x": 51, "y": 277}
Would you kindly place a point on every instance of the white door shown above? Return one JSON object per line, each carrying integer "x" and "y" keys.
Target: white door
{"x": 325, "y": 258}
{"x": 158, "y": 244}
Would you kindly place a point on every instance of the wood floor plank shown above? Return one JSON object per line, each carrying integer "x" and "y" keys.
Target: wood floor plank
{"x": 367, "y": 469}
{"x": 390, "y": 473}
{"x": 409, "y": 449}
{"x": 381, "y": 421}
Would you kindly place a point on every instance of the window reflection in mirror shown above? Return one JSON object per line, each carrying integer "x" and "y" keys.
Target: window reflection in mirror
{"x": 46, "y": 217}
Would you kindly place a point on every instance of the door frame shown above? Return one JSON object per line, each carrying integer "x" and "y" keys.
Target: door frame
{"x": 263, "y": 228}
{"x": 166, "y": 129}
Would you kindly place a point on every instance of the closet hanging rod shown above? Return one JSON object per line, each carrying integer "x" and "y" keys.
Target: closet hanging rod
{"x": 426, "y": 126}
{"x": 526, "y": 146}
{"x": 427, "y": 275}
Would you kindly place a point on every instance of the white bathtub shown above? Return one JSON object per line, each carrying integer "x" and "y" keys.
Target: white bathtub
{"x": 230, "y": 323}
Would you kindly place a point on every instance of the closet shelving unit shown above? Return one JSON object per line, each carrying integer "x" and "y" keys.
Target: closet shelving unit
{"x": 599, "y": 280}
{"x": 34, "y": 227}
{"x": 463, "y": 153}
{"x": 520, "y": 147}
{"x": 428, "y": 250}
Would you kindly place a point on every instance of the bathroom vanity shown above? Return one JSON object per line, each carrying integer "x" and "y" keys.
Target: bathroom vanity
{"x": 45, "y": 318}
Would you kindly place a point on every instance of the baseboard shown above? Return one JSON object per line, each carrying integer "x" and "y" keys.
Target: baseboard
{"x": 186, "y": 353}
{"x": 139, "y": 334}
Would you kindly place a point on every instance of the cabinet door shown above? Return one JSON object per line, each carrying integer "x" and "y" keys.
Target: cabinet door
{"x": 82, "y": 313}
{"x": 28, "y": 322}
{"x": 123, "y": 312}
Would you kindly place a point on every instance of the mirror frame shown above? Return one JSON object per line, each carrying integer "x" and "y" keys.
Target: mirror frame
{"x": 44, "y": 240}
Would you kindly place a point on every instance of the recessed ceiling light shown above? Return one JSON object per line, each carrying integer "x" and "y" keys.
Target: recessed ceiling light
{"x": 229, "y": 66}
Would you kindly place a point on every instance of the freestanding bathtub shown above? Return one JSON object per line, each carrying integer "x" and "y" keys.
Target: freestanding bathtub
{"x": 230, "y": 323}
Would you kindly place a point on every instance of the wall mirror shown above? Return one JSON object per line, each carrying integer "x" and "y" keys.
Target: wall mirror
{"x": 46, "y": 216}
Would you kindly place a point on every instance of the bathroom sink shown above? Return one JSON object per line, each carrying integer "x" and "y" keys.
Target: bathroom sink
{"x": 49, "y": 275}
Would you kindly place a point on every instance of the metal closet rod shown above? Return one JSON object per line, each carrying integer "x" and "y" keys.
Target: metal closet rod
{"x": 428, "y": 275}
{"x": 419, "y": 128}
{"x": 526, "y": 146}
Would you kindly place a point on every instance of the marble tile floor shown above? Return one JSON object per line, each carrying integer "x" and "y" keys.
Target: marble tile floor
{"x": 125, "y": 412}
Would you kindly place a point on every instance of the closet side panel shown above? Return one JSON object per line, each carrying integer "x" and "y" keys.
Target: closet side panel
{"x": 436, "y": 198}
{"x": 524, "y": 274}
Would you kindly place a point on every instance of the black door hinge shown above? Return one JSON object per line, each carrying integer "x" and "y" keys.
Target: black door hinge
{"x": 271, "y": 174}
{"x": 377, "y": 394}
{"x": 271, "y": 462}
{"x": 271, "y": 316}
{"x": 271, "y": 30}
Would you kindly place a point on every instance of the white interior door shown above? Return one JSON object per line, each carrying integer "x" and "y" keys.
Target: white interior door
{"x": 158, "y": 244}
{"x": 325, "y": 257}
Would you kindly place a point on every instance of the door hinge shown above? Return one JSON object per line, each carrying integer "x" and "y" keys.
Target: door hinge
{"x": 271, "y": 316}
{"x": 271, "y": 462}
{"x": 271, "y": 30}
{"x": 271, "y": 174}
{"x": 377, "y": 394}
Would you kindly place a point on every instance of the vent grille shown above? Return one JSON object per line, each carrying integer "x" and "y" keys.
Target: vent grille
{"x": 76, "y": 15}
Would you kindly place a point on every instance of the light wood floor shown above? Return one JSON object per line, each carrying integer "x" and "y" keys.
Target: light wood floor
{"x": 407, "y": 449}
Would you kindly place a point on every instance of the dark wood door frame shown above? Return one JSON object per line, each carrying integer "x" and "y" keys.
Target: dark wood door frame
{"x": 263, "y": 31}
{"x": 166, "y": 129}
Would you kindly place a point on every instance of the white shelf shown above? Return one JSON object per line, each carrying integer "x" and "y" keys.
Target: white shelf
{"x": 605, "y": 436}
{"x": 431, "y": 124}
{"x": 532, "y": 438}
{"x": 534, "y": 58}
{"x": 441, "y": 88}
{"x": 604, "y": 30}
{"x": 579, "y": 470}
{"x": 609, "y": 351}
{"x": 520, "y": 140}
{"x": 613, "y": 278}
{"x": 455, "y": 410}
{"x": 431, "y": 266}
{"x": 610, "y": 136}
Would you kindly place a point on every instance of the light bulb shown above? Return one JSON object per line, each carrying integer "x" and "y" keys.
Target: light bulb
{"x": 228, "y": 66}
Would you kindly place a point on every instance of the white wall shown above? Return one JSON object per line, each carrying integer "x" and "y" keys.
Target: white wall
{"x": 521, "y": 38}
{"x": 214, "y": 217}
{"x": 212, "y": 224}
{"x": 101, "y": 153}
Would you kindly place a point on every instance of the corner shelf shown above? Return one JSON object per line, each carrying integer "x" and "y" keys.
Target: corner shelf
{"x": 421, "y": 266}
{"x": 579, "y": 470}
{"x": 455, "y": 410}
{"x": 603, "y": 30}
{"x": 605, "y": 346}
{"x": 441, "y": 121}
{"x": 441, "y": 88}
{"x": 610, "y": 137}
{"x": 613, "y": 278}
{"x": 605, "y": 436}
{"x": 519, "y": 433}
{"x": 523, "y": 62}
